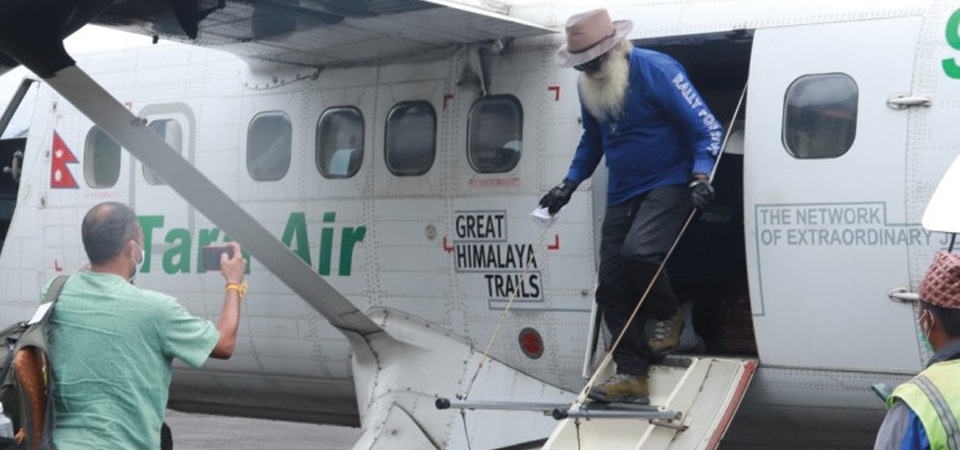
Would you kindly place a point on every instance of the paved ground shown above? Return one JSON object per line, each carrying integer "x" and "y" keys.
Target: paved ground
{"x": 202, "y": 432}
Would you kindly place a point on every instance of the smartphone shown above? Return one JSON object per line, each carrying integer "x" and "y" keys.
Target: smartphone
{"x": 211, "y": 255}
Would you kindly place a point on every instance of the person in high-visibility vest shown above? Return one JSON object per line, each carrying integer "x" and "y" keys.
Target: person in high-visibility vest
{"x": 925, "y": 411}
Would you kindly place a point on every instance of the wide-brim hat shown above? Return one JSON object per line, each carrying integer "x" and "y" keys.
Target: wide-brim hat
{"x": 590, "y": 35}
{"x": 941, "y": 286}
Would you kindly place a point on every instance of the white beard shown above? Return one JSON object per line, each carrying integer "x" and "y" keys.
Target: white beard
{"x": 603, "y": 92}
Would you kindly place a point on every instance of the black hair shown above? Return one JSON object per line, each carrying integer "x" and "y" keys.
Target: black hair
{"x": 948, "y": 317}
{"x": 106, "y": 229}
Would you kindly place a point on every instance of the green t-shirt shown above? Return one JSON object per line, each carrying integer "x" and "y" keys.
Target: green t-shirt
{"x": 112, "y": 345}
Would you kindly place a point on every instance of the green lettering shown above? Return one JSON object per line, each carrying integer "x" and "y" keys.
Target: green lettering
{"x": 205, "y": 238}
{"x": 147, "y": 224}
{"x": 950, "y": 66}
{"x": 326, "y": 250}
{"x": 297, "y": 228}
{"x": 177, "y": 257}
{"x": 180, "y": 252}
{"x": 326, "y": 244}
{"x": 350, "y": 238}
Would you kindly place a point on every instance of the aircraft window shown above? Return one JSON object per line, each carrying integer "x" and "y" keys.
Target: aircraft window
{"x": 172, "y": 133}
{"x": 495, "y": 134}
{"x": 411, "y": 138}
{"x": 820, "y": 116}
{"x": 268, "y": 146}
{"x": 101, "y": 159}
{"x": 340, "y": 142}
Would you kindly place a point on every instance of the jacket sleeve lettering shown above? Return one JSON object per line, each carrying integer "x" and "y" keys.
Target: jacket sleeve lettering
{"x": 674, "y": 92}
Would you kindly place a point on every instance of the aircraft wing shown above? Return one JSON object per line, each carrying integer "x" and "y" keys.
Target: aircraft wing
{"x": 321, "y": 33}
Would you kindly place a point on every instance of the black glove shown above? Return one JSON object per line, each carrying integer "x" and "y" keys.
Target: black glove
{"x": 558, "y": 196}
{"x": 702, "y": 192}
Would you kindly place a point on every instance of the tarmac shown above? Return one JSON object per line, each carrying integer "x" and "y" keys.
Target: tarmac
{"x": 204, "y": 432}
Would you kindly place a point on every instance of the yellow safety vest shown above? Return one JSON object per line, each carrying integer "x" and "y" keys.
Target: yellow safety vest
{"x": 934, "y": 396}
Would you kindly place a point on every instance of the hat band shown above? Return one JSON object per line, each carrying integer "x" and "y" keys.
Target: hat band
{"x": 594, "y": 44}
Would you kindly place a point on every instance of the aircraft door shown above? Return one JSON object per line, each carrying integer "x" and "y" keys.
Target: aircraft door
{"x": 155, "y": 202}
{"x": 14, "y": 127}
{"x": 825, "y": 195}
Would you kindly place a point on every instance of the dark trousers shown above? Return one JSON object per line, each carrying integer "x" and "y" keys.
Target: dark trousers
{"x": 166, "y": 437}
{"x": 636, "y": 237}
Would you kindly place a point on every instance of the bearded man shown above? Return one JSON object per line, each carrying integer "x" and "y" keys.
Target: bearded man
{"x": 661, "y": 142}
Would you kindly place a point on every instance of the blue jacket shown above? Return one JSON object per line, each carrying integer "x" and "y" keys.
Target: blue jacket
{"x": 663, "y": 135}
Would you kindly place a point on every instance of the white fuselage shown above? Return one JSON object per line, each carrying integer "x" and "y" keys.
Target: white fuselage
{"x": 825, "y": 239}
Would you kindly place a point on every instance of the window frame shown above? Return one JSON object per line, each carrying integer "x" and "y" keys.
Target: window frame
{"x": 470, "y": 116}
{"x": 143, "y": 167}
{"x": 89, "y": 159}
{"x": 386, "y": 138}
{"x": 258, "y": 116}
{"x": 786, "y": 99}
{"x": 363, "y": 150}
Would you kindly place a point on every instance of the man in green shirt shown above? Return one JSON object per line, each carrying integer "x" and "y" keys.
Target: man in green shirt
{"x": 112, "y": 343}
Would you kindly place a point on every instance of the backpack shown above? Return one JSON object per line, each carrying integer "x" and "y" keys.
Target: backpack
{"x": 25, "y": 377}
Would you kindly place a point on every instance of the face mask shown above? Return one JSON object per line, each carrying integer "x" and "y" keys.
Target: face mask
{"x": 924, "y": 332}
{"x": 138, "y": 264}
{"x": 925, "y": 342}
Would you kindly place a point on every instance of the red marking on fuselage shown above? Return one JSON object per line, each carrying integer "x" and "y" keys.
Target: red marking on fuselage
{"x": 56, "y": 266}
{"x": 446, "y": 248}
{"x": 556, "y": 90}
{"x": 556, "y": 243}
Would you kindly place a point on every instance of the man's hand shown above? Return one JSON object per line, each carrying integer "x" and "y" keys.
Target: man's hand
{"x": 701, "y": 191}
{"x": 558, "y": 196}
{"x": 233, "y": 268}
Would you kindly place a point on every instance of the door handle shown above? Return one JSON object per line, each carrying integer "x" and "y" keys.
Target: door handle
{"x": 903, "y": 295}
{"x": 907, "y": 101}
{"x": 15, "y": 166}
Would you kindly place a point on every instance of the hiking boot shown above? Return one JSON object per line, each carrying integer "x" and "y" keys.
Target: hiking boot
{"x": 690, "y": 341}
{"x": 622, "y": 388}
{"x": 665, "y": 334}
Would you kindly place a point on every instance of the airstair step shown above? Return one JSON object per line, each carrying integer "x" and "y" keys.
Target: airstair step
{"x": 694, "y": 400}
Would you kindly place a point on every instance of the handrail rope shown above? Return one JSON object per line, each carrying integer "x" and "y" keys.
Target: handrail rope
{"x": 503, "y": 314}
{"x": 609, "y": 356}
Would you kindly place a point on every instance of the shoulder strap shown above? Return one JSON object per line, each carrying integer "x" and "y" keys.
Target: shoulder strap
{"x": 53, "y": 292}
{"x": 37, "y": 337}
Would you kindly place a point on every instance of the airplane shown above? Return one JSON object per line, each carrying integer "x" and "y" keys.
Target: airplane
{"x": 379, "y": 160}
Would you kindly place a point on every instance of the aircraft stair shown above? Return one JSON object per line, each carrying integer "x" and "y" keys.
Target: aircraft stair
{"x": 695, "y": 397}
